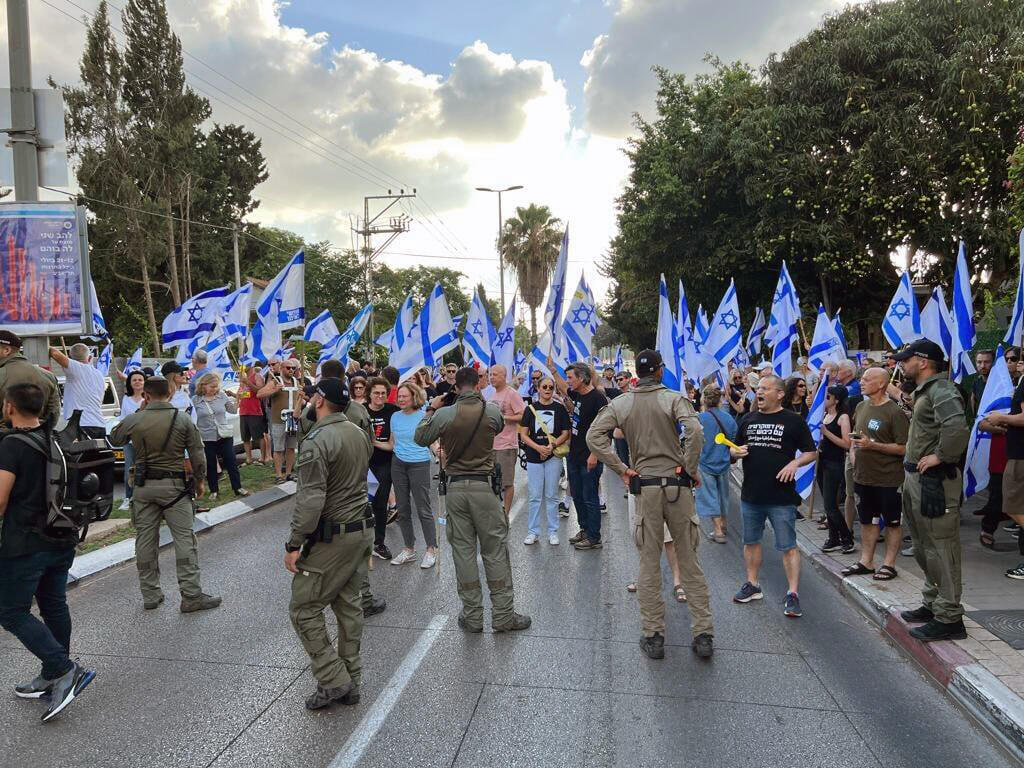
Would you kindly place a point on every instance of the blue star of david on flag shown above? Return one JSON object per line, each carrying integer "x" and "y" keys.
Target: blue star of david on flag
{"x": 581, "y": 315}
{"x": 195, "y": 313}
{"x": 729, "y": 320}
{"x": 900, "y": 309}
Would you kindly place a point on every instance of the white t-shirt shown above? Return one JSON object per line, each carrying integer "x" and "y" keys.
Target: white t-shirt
{"x": 181, "y": 401}
{"x": 83, "y": 391}
{"x": 129, "y": 406}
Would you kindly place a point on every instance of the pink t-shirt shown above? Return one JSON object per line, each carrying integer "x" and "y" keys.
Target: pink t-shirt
{"x": 511, "y": 404}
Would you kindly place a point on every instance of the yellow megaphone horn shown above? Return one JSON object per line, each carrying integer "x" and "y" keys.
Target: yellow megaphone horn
{"x": 721, "y": 439}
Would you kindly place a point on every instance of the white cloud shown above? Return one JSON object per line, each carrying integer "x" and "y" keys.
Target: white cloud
{"x": 677, "y": 34}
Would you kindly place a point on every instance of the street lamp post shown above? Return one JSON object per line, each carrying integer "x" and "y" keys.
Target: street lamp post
{"x": 501, "y": 258}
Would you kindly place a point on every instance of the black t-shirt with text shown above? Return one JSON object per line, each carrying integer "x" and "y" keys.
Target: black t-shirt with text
{"x": 380, "y": 427}
{"x": 584, "y": 411}
{"x": 1015, "y": 435}
{"x": 555, "y": 418}
{"x": 773, "y": 440}
{"x": 26, "y": 506}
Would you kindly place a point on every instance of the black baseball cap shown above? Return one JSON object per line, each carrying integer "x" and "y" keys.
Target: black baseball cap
{"x": 171, "y": 367}
{"x": 648, "y": 362}
{"x": 929, "y": 350}
{"x": 333, "y": 391}
{"x": 10, "y": 339}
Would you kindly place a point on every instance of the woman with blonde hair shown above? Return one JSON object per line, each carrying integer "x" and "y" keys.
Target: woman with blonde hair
{"x": 410, "y": 474}
{"x": 211, "y": 406}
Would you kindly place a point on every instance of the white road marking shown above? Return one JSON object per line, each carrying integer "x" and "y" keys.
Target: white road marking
{"x": 361, "y": 737}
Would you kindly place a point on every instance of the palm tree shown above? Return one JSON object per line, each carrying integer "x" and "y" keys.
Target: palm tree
{"x": 529, "y": 243}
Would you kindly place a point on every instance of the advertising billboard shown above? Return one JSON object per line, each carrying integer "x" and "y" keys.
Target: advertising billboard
{"x": 41, "y": 269}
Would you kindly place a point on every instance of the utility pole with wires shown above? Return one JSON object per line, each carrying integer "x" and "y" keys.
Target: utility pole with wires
{"x": 395, "y": 226}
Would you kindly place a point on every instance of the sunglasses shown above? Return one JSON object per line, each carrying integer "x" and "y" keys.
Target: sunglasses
{"x": 547, "y": 387}
{"x": 620, "y": 380}
{"x": 1012, "y": 359}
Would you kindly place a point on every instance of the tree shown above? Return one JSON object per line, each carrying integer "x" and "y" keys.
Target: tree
{"x": 529, "y": 243}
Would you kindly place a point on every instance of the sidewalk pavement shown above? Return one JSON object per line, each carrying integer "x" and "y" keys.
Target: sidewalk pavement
{"x": 983, "y": 673}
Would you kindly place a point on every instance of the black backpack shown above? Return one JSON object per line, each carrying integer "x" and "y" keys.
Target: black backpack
{"x": 61, "y": 523}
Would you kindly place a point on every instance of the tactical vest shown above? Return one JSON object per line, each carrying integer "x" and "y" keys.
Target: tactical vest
{"x": 478, "y": 456}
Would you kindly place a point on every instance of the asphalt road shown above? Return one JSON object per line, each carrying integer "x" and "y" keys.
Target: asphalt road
{"x": 226, "y": 687}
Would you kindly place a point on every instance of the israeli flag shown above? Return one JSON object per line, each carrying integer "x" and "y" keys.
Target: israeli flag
{"x": 995, "y": 399}
{"x": 404, "y": 321}
{"x": 220, "y": 363}
{"x": 815, "y": 418}
{"x": 343, "y": 344}
{"x": 620, "y": 364}
{"x": 684, "y": 333}
{"x": 581, "y": 321}
{"x": 322, "y": 329}
{"x": 195, "y": 317}
{"x": 556, "y": 294}
{"x": 964, "y": 335}
{"x": 99, "y": 325}
{"x": 666, "y": 342}
{"x": 386, "y": 339}
{"x": 936, "y": 324}
{"x": 826, "y": 347}
{"x": 233, "y": 314}
{"x": 547, "y": 347}
{"x": 283, "y": 302}
{"x": 839, "y": 333}
{"x": 134, "y": 363}
{"x": 1015, "y": 333}
{"x": 782, "y": 345}
{"x": 902, "y": 321}
{"x": 785, "y": 304}
{"x": 457, "y": 321}
{"x": 503, "y": 350}
{"x": 756, "y": 334}
{"x": 725, "y": 335}
{"x": 480, "y": 333}
{"x": 520, "y": 361}
{"x": 432, "y": 334}
{"x": 214, "y": 344}
{"x": 102, "y": 362}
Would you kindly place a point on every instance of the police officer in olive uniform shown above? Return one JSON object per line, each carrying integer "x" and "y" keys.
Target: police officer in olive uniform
{"x": 466, "y": 430}
{"x": 650, "y": 416}
{"x": 160, "y": 434}
{"x": 15, "y": 369}
{"x": 931, "y": 490}
{"x": 330, "y": 543}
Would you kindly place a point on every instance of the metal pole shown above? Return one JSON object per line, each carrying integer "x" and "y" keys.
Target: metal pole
{"x": 23, "y": 111}
{"x": 501, "y": 257}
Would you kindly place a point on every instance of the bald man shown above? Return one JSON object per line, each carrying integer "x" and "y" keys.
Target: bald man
{"x": 506, "y": 442}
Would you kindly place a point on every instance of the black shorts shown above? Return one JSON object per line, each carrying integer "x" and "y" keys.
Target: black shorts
{"x": 253, "y": 428}
{"x": 876, "y": 503}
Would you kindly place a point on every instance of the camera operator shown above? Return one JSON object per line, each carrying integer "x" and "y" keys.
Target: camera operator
{"x": 160, "y": 435}
{"x": 34, "y": 560}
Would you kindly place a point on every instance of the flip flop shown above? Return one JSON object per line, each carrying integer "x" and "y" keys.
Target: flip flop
{"x": 885, "y": 573}
{"x": 680, "y": 594}
{"x": 857, "y": 570}
{"x": 988, "y": 540}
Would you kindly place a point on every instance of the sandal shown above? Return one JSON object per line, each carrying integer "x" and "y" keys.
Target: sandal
{"x": 885, "y": 573}
{"x": 631, "y": 587}
{"x": 680, "y": 594}
{"x": 988, "y": 540}
{"x": 857, "y": 570}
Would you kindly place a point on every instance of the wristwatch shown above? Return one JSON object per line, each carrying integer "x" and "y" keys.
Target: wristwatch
{"x": 289, "y": 547}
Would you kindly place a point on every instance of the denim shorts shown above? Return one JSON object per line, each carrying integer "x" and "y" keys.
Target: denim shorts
{"x": 783, "y": 523}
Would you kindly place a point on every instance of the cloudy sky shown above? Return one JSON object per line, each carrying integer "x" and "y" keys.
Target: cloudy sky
{"x": 353, "y": 98}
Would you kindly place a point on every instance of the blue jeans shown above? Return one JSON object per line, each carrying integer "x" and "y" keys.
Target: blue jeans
{"x": 713, "y": 494}
{"x": 542, "y": 482}
{"x": 129, "y": 459}
{"x": 583, "y": 489}
{"x": 783, "y": 523}
{"x": 43, "y": 575}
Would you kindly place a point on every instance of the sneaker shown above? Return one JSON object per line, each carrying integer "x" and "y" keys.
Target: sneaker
{"x": 149, "y": 605}
{"x": 907, "y": 551}
{"x": 579, "y": 536}
{"x": 126, "y": 504}
{"x": 918, "y": 615}
{"x": 653, "y": 647}
{"x": 799, "y": 515}
{"x": 792, "y": 606}
{"x": 467, "y": 627}
{"x": 703, "y": 645}
{"x": 563, "y": 509}
{"x": 553, "y": 540}
{"x": 242, "y": 493}
{"x": 35, "y": 689}
{"x": 601, "y": 504}
{"x": 531, "y": 538}
{"x": 392, "y": 515}
{"x": 849, "y": 548}
{"x": 747, "y": 593}
{"x": 382, "y": 551}
{"x": 586, "y": 543}
{"x": 1011, "y": 527}
{"x": 374, "y": 606}
{"x": 1016, "y": 573}
{"x": 830, "y": 546}
{"x": 936, "y": 630}
{"x": 66, "y": 689}
{"x": 403, "y": 557}
{"x": 202, "y": 603}
{"x": 212, "y": 496}
{"x": 517, "y": 623}
{"x": 429, "y": 560}
{"x": 324, "y": 697}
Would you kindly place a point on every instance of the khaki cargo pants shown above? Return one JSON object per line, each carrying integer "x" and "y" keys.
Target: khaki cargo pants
{"x": 331, "y": 575}
{"x": 657, "y": 508}
{"x": 475, "y": 514}
{"x": 937, "y": 548}
{"x": 146, "y": 517}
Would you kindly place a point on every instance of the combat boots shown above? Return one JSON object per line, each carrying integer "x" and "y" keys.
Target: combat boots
{"x": 202, "y": 603}
{"x": 374, "y": 606}
{"x": 516, "y": 623}
{"x": 653, "y": 646}
{"x": 703, "y": 645}
{"x": 324, "y": 697}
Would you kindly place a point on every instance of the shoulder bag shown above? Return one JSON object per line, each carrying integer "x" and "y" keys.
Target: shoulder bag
{"x": 559, "y": 451}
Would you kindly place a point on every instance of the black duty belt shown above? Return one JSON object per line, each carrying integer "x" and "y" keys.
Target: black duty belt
{"x": 327, "y": 530}
{"x": 910, "y": 466}
{"x": 478, "y": 478}
{"x": 163, "y": 474}
{"x": 666, "y": 482}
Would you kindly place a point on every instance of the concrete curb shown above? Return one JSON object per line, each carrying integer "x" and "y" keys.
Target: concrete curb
{"x": 999, "y": 710}
{"x": 99, "y": 560}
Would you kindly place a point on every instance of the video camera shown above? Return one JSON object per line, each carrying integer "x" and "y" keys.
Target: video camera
{"x": 89, "y": 491}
